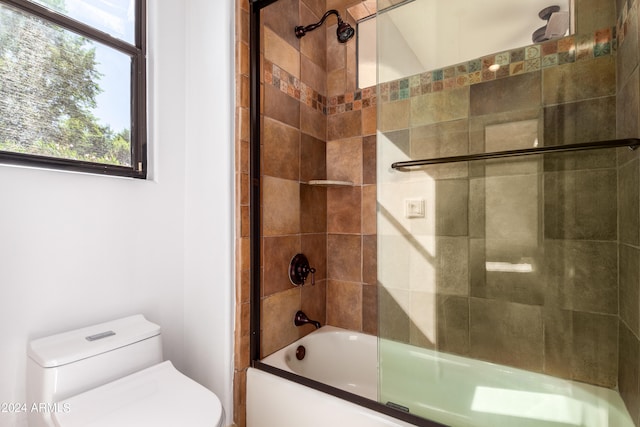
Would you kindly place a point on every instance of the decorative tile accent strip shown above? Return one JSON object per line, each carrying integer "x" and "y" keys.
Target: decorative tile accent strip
{"x": 293, "y": 87}
{"x": 351, "y": 101}
{"x": 491, "y": 67}
{"x": 505, "y": 64}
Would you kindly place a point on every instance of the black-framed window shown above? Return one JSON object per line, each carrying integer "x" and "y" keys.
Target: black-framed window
{"x": 72, "y": 85}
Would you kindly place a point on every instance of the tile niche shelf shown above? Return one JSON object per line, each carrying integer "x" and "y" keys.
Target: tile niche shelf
{"x": 330, "y": 183}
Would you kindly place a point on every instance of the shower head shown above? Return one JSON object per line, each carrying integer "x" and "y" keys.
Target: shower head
{"x": 344, "y": 31}
{"x": 558, "y": 23}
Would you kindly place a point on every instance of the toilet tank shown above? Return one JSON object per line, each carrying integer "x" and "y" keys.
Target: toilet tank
{"x": 66, "y": 364}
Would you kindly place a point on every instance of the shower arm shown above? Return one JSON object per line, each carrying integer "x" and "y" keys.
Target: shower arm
{"x": 301, "y": 31}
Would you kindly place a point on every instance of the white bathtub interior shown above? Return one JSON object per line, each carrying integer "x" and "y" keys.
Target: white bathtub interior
{"x": 449, "y": 389}
{"x": 343, "y": 359}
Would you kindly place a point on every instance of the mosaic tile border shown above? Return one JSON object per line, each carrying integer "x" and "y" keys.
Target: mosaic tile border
{"x": 492, "y": 67}
{"x": 350, "y": 101}
{"x": 504, "y": 64}
{"x": 291, "y": 85}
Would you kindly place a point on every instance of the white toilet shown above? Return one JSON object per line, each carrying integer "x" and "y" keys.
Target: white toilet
{"x": 112, "y": 374}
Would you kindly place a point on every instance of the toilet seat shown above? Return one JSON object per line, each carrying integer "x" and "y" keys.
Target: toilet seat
{"x": 157, "y": 396}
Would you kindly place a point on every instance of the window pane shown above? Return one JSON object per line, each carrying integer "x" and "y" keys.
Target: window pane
{"x": 62, "y": 95}
{"x": 114, "y": 17}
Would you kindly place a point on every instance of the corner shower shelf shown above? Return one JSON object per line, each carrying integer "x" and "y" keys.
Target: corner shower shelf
{"x": 632, "y": 143}
{"x": 330, "y": 183}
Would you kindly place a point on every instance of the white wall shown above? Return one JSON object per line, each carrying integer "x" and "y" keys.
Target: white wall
{"x": 76, "y": 249}
{"x": 209, "y": 190}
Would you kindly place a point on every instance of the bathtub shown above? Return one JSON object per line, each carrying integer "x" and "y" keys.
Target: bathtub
{"x": 414, "y": 382}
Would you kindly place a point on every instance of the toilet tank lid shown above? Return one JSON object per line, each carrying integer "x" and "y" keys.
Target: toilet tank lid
{"x": 68, "y": 347}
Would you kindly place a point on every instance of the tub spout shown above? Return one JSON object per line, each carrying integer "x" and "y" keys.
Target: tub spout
{"x": 302, "y": 319}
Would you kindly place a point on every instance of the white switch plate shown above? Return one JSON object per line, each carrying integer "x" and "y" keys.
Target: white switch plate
{"x": 414, "y": 208}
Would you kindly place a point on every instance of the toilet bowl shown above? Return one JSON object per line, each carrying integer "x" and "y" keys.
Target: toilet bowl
{"x": 112, "y": 374}
{"x": 156, "y": 396}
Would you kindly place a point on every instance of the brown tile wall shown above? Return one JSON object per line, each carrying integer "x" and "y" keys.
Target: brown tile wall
{"x": 351, "y": 211}
{"x": 294, "y": 151}
{"x": 329, "y": 225}
{"x": 242, "y": 308}
{"x": 294, "y": 214}
{"x": 559, "y": 213}
{"x": 628, "y": 126}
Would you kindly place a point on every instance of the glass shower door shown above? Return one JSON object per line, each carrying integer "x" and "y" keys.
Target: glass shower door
{"x": 498, "y": 278}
